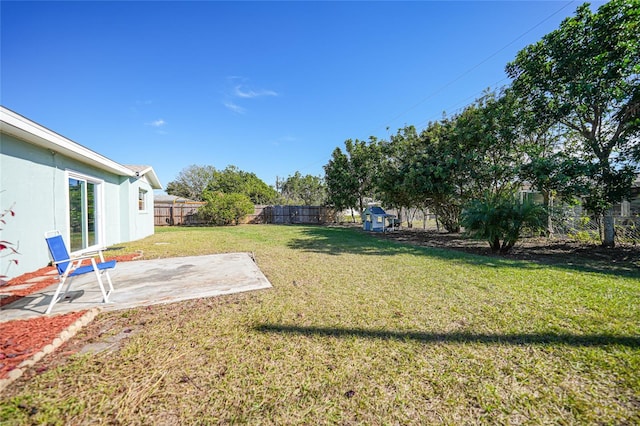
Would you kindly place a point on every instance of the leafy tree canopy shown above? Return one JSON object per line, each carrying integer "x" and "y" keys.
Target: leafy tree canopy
{"x": 395, "y": 159}
{"x": 193, "y": 181}
{"x": 342, "y": 186}
{"x": 233, "y": 180}
{"x": 586, "y": 76}
{"x": 303, "y": 190}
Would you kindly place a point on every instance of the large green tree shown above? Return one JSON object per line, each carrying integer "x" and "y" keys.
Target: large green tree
{"x": 306, "y": 190}
{"x": 549, "y": 165}
{"x": 391, "y": 185}
{"x": 435, "y": 173}
{"x": 232, "y": 180}
{"x": 486, "y": 134}
{"x": 191, "y": 182}
{"x": 364, "y": 159}
{"x": 350, "y": 175}
{"x": 342, "y": 186}
{"x": 586, "y": 76}
{"x": 456, "y": 159}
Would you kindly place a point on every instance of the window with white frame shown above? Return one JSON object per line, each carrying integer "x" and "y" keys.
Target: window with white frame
{"x": 142, "y": 200}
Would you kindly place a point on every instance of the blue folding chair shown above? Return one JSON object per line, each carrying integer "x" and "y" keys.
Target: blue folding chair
{"x": 69, "y": 267}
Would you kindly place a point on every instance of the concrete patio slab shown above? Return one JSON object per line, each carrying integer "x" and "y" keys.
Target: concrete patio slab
{"x": 149, "y": 282}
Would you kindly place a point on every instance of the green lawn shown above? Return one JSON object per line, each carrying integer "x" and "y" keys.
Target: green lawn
{"x": 357, "y": 330}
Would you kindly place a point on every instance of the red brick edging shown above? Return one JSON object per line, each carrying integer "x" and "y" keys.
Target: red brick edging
{"x": 64, "y": 335}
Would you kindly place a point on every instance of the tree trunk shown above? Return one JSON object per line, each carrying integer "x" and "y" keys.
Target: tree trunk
{"x": 548, "y": 201}
{"x": 506, "y": 247}
{"x": 495, "y": 244}
{"x": 449, "y": 217}
{"x": 425, "y": 217}
{"x": 409, "y": 219}
{"x": 609, "y": 229}
{"x": 599, "y": 221}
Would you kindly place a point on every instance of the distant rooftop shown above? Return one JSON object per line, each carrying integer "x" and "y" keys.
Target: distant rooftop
{"x": 172, "y": 199}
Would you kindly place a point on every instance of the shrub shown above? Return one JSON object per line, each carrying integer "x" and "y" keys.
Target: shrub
{"x": 584, "y": 236}
{"x": 225, "y": 209}
{"x": 501, "y": 218}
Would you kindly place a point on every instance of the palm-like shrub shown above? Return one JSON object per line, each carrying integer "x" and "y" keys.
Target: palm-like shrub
{"x": 501, "y": 218}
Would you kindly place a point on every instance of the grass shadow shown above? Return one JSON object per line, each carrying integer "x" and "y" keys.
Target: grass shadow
{"x": 517, "y": 339}
{"x": 348, "y": 240}
{"x": 338, "y": 240}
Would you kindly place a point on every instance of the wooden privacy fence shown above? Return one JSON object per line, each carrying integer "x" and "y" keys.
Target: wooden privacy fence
{"x": 186, "y": 214}
{"x": 177, "y": 214}
{"x": 296, "y": 214}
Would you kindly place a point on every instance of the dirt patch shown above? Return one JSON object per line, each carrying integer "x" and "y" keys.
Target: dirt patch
{"x": 104, "y": 340}
{"x": 624, "y": 259}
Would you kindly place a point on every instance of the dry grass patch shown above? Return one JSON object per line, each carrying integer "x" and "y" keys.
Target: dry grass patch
{"x": 355, "y": 330}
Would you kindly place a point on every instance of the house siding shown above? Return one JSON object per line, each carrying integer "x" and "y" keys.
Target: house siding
{"x": 142, "y": 221}
{"x": 34, "y": 181}
{"x": 136, "y": 224}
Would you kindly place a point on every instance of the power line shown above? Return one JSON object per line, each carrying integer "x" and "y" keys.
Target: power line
{"x": 459, "y": 106}
{"x": 464, "y": 102}
{"x": 473, "y": 68}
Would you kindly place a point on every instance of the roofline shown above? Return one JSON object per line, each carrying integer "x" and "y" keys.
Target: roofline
{"x": 29, "y": 131}
{"x": 151, "y": 177}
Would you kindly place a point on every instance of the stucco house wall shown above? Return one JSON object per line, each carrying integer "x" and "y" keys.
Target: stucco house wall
{"x": 141, "y": 217}
{"x": 36, "y": 166}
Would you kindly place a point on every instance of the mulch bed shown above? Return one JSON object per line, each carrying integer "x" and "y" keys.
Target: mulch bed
{"x": 21, "y": 339}
{"x": 9, "y": 295}
{"x": 623, "y": 259}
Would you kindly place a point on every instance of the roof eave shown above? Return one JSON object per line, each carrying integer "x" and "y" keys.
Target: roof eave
{"x": 151, "y": 176}
{"x": 18, "y": 126}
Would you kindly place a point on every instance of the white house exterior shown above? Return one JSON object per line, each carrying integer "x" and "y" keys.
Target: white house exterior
{"x": 53, "y": 183}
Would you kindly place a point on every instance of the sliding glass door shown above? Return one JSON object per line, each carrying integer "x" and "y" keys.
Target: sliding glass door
{"x": 83, "y": 210}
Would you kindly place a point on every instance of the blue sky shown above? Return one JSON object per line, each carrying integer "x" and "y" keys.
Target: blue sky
{"x": 270, "y": 87}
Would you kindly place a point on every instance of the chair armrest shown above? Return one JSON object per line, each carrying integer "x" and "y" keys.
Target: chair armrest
{"x": 85, "y": 255}
{"x": 95, "y": 252}
{"x": 92, "y": 253}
